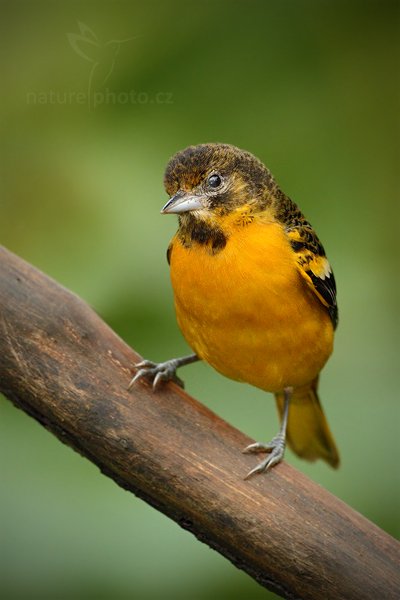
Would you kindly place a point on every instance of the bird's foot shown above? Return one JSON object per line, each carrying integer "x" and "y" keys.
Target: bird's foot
{"x": 157, "y": 372}
{"x": 276, "y": 450}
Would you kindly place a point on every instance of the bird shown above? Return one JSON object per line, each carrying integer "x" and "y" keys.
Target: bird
{"x": 254, "y": 293}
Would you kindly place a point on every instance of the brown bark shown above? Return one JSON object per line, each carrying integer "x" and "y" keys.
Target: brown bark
{"x": 65, "y": 367}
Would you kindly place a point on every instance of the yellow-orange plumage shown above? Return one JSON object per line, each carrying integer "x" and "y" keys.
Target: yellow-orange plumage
{"x": 255, "y": 296}
{"x": 247, "y": 311}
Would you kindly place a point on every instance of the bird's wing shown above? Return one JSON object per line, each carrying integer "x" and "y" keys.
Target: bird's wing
{"x": 313, "y": 265}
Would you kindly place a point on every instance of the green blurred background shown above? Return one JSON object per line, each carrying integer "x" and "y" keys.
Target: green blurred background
{"x": 87, "y": 126}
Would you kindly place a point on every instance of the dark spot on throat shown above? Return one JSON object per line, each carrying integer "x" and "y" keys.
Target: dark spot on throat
{"x": 194, "y": 230}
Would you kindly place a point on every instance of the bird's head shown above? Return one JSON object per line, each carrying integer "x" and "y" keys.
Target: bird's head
{"x": 211, "y": 180}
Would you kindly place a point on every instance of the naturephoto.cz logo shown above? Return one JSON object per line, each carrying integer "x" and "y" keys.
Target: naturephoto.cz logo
{"x": 102, "y": 57}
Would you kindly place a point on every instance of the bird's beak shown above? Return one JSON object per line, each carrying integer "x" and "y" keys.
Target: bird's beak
{"x": 182, "y": 202}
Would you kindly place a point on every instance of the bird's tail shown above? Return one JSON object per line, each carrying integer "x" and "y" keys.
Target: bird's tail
{"x": 308, "y": 433}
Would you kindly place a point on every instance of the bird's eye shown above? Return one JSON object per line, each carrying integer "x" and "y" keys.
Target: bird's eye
{"x": 214, "y": 181}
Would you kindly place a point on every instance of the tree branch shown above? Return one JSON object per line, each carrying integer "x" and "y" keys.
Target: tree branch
{"x": 64, "y": 366}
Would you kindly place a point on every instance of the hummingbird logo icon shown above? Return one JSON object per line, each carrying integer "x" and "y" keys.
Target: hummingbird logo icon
{"x": 101, "y": 55}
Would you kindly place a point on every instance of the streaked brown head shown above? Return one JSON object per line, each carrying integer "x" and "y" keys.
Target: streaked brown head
{"x": 216, "y": 178}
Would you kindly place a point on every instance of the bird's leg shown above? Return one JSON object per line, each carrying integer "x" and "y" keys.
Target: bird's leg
{"x": 276, "y": 446}
{"x": 164, "y": 371}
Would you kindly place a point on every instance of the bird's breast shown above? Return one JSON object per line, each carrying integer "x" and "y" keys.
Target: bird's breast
{"x": 246, "y": 310}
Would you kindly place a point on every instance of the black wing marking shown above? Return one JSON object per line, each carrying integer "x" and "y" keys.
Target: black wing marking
{"x": 313, "y": 265}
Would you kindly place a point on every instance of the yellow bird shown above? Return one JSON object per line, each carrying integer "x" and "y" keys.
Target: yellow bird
{"x": 255, "y": 295}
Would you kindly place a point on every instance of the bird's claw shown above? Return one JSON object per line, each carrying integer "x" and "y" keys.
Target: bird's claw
{"x": 276, "y": 450}
{"x": 156, "y": 372}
